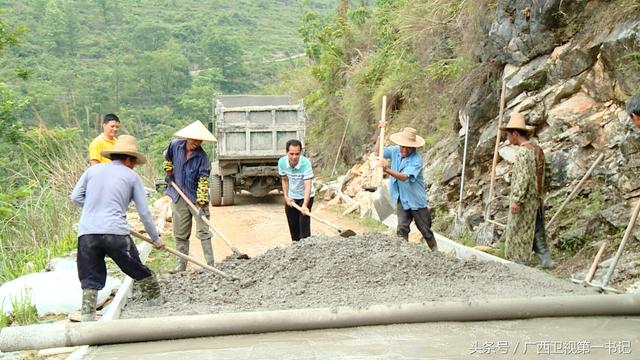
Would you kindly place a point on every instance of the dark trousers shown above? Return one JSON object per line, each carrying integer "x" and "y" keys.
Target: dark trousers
{"x": 540, "y": 238}
{"x": 299, "y": 224}
{"x": 92, "y": 248}
{"x": 422, "y": 217}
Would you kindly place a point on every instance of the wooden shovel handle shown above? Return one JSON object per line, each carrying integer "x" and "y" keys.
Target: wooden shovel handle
{"x": 204, "y": 218}
{"x": 295, "y": 206}
{"x": 184, "y": 256}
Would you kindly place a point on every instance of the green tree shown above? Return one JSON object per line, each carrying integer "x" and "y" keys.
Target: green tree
{"x": 225, "y": 54}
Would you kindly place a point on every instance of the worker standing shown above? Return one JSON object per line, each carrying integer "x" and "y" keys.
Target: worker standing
{"x": 104, "y": 141}
{"x": 188, "y": 166}
{"x": 104, "y": 192}
{"x": 296, "y": 175}
{"x": 526, "y": 211}
{"x": 407, "y": 186}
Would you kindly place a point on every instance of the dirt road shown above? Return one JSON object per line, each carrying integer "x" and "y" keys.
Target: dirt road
{"x": 255, "y": 225}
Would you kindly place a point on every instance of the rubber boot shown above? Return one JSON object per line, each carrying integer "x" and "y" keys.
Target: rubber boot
{"x": 545, "y": 260}
{"x": 207, "y": 250}
{"x": 88, "y": 308}
{"x": 183, "y": 247}
{"x": 150, "y": 289}
{"x": 433, "y": 245}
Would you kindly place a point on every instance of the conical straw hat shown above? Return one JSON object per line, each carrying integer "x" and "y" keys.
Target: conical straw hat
{"x": 407, "y": 137}
{"x": 517, "y": 122}
{"x": 126, "y": 144}
{"x": 197, "y": 131}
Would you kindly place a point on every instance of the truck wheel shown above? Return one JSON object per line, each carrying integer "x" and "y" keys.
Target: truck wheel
{"x": 228, "y": 191}
{"x": 216, "y": 190}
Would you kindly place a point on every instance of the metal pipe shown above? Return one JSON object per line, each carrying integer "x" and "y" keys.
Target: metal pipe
{"x": 153, "y": 329}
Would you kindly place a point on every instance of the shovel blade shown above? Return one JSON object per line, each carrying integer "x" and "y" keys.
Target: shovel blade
{"x": 347, "y": 233}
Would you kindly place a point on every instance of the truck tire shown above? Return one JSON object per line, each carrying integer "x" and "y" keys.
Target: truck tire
{"x": 216, "y": 190}
{"x": 228, "y": 190}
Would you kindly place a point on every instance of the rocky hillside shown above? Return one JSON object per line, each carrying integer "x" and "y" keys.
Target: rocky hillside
{"x": 569, "y": 67}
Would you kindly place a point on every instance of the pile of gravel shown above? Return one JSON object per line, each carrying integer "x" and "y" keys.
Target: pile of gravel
{"x": 333, "y": 271}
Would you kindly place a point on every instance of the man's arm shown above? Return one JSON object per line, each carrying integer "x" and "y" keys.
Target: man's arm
{"x": 285, "y": 188}
{"x": 398, "y": 175}
{"x": 519, "y": 180}
{"x": 79, "y": 191}
{"x": 94, "y": 153}
{"x": 140, "y": 199}
{"x": 307, "y": 196}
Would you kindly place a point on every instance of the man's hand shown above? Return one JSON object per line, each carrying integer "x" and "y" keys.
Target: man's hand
{"x": 515, "y": 208}
{"x": 201, "y": 210}
{"x": 305, "y": 210}
{"x": 382, "y": 163}
{"x": 169, "y": 178}
{"x": 382, "y": 124}
{"x": 158, "y": 244}
{"x": 288, "y": 200}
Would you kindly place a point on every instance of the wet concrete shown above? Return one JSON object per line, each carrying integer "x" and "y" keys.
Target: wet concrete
{"x": 544, "y": 338}
{"x": 333, "y": 271}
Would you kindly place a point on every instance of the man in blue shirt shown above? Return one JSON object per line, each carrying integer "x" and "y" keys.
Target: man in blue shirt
{"x": 296, "y": 175}
{"x": 407, "y": 184}
{"x": 104, "y": 192}
{"x": 188, "y": 166}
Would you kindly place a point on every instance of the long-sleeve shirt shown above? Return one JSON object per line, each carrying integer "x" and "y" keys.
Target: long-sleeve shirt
{"x": 104, "y": 192}
{"x": 186, "y": 172}
{"x": 411, "y": 193}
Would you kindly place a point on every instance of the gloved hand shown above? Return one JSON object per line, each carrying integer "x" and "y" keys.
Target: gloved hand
{"x": 169, "y": 179}
{"x": 201, "y": 210}
{"x": 202, "y": 192}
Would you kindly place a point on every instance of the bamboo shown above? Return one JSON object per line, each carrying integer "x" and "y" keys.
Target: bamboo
{"x": 627, "y": 235}
{"x": 575, "y": 190}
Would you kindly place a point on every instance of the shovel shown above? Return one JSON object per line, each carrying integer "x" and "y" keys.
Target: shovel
{"x": 485, "y": 230}
{"x": 458, "y": 222}
{"x": 206, "y": 221}
{"x": 342, "y": 232}
{"x": 185, "y": 257}
{"x": 378, "y": 174}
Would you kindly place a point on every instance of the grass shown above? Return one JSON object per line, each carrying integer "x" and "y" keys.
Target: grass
{"x": 40, "y": 225}
{"x": 160, "y": 261}
{"x": 23, "y": 312}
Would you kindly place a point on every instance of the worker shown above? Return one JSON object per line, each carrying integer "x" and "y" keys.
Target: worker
{"x": 104, "y": 192}
{"x": 526, "y": 211}
{"x": 407, "y": 183}
{"x": 104, "y": 141}
{"x": 296, "y": 176}
{"x": 633, "y": 109}
{"x": 187, "y": 165}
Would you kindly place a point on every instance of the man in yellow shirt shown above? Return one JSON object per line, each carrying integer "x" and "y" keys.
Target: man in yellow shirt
{"x": 104, "y": 141}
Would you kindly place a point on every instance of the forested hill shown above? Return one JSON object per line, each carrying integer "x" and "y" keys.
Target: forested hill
{"x": 150, "y": 61}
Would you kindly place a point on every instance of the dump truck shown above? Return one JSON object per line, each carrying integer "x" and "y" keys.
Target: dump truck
{"x": 252, "y": 131}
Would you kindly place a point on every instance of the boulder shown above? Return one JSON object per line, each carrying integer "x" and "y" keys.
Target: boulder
{"x": 524, "y": 29}
{"x": 568, "y": 113}
{"x": 598, "y": 83}
{"x": 616, "y": 48}
{"x": 531, "y": 76}
{"x": 569, "y": 60}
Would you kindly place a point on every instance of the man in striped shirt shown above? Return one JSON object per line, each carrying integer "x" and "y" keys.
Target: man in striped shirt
{"x": 187, "y": 165}
{"x": 296, "y": 175}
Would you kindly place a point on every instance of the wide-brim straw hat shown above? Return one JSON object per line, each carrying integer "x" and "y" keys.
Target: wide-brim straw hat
{"x": 407, "y": 137}
{"x": 196, "y": 131}
{"x": 517, "y": 122}
{"x": 125, "y": 144}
